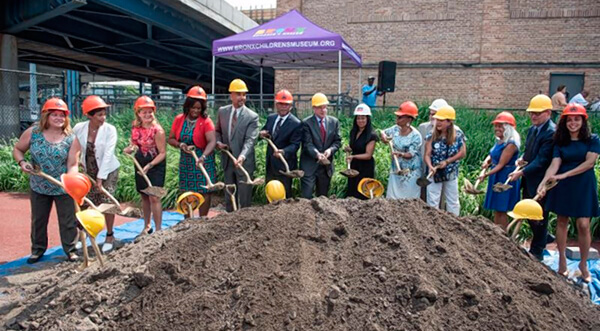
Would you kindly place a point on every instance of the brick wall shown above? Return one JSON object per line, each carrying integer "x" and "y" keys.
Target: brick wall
{"x": 488, "y": 53}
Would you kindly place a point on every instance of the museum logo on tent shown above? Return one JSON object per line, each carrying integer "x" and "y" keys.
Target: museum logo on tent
{"x": 279, "y": 32}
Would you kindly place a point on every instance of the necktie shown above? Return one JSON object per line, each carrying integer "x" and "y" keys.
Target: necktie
{"x": 322, "y": 126}
{"x": 529, "y": 146}
{"x": 277, "y": 126}
{"x": 233, "y": 123}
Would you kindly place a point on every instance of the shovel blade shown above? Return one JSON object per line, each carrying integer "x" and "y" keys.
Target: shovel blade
{"x": 423, "y": 182}
{"x": 108, "y": 208}
{"x": 501, "y": 187}
{"x": 293, "y": 173}
{"x": 349, "y": 173}
{"x": 131, "y": 212}
{"x": 155, "y": 191}
{"x": 325, "y": 162}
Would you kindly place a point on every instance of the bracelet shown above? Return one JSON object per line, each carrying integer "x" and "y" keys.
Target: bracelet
{"x": 203, "y": 157}
{"x": 19, "y": 163}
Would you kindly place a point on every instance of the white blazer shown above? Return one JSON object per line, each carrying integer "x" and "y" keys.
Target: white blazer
{"x": 106, "y": 141}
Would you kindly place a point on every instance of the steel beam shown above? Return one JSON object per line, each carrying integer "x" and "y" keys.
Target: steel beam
{"x": 32, "y": 12}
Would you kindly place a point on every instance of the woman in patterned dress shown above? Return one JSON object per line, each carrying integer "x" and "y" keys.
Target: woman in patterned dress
{"x": 53, "y": 147}
{"x": 445, "y": 146}
{"x": 149, "y": 138}
{"x": 407, "y": 142}
{"x": 195, "y": 128}
{"x": 98, "y": 140}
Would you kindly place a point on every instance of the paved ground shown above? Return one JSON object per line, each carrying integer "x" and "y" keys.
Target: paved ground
{"x": 15, "y": 222}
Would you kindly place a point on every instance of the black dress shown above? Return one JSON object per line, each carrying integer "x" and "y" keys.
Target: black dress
{"x": 366, "y": 168}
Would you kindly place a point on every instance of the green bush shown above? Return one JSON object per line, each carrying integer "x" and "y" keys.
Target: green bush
{"x": 475, "y": 124}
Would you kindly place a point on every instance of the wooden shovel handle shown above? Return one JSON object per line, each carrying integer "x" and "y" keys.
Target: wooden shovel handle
{"x": 518, "y": 168}
{"x": 281, "y": 157}
{"x": 234, "y": 160}
{"x": 140, "y": 169}
{"x": 391, "y": 144}
{"x": 104, "y": 191}
{"x": 192, "y": 150}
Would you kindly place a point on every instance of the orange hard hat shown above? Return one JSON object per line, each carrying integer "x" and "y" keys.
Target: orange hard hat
{"x": 408, "y": 108}
{"x": 92, "y": 102}
{"x": 55, "y": 103}
{"x": 574, "y": 109}
{"x": 143, "y": 102}
{"x": 76, "y": 185}
{"x": 505, "y": 117}
{"x": 196, "y": 92}
{"x": 284, "y": 96}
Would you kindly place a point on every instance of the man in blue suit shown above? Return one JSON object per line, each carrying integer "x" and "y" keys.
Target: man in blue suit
{"x": 538, "y": 155}
{"x": 285, "y": 131}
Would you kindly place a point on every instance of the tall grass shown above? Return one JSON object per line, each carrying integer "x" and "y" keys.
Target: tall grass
{"x": 475, "y": 123}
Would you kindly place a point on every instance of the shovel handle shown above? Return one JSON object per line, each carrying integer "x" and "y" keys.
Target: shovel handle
{"x": 104, "y": 191}
{"x": 281, "y": 157}
{"x": 192, "y": 150}
{"x": 431, "y": 173}
{"x": 396, "y": 162}
{"x": 140, "y": 169}
{"x": 241, "y": 167}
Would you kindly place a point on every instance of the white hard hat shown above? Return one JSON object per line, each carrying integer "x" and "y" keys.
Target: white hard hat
{"x": 437, "y": 104}
{"x": 362, "y": 109}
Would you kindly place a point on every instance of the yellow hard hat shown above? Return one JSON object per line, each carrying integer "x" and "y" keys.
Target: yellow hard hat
{"x": 91, "y": 220}
{"x": 238, "y": 85}
{"x": 319, "y": 99}
{"x": 275, "y": 191}
{"x": 368, "y": 185}
{"x": 445, "y": 113}
{"x": 539, "y": 103}
{"x": 194, "y": 199}
{"x": 527, "y": 209}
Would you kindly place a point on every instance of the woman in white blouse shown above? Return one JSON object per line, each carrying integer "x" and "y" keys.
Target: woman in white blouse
{"x": 98, "y": 140}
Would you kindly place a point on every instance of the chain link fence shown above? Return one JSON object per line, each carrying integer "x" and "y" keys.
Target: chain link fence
{"x": 22, "y": 96}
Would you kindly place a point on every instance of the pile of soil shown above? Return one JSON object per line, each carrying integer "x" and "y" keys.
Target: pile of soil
{"x": 322, "y": 264}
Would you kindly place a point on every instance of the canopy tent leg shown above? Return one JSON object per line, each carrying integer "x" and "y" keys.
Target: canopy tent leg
{"x": 339, "y": 78}
{"x": 261, "y": 85}
{"x": 212, "y": 90}
{"x": 359, "y": 87}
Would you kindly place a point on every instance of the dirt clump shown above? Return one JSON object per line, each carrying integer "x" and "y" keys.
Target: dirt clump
{"x": 321, "y": 264}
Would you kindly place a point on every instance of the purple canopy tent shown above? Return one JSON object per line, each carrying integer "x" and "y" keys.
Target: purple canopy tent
{"x": 289, "y": 41}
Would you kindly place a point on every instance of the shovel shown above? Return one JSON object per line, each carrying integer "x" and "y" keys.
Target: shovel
{"x": 472, "y": 189}
{"x": 548, "y": 185}
{"x": 399, "y": 171}
{"x": 255, "y": 182}
{"x": 230, "y": 189}
{"x": 501, "y": 187}
{"x": 288, "y": 173}
{"x": 109, "y": 208}
{"x": 37, "y": 171}
{"x": 210, "y": 185}
{"x": 423, "y": 182}
{"x": 324, "y": 161}
{"x": 350, "y": 173}
{"x": 150, "y": 190}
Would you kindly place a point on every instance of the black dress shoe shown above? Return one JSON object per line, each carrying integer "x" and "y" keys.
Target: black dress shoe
{"x": 550, "y": 239}
{"x": 34, "y": 258}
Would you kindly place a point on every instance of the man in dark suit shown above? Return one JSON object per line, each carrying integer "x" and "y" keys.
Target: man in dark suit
{"x": 538, "y": 155}
{"x": 237, "y": 130}
{"x": 285, "y": 131}
{"x": 320, "y": 140}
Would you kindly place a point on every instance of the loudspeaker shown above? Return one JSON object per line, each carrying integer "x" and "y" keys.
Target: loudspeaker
{"x": 386, "y": 77}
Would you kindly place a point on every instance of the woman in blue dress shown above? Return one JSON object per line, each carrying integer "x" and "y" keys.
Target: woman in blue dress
{"x": 502, "y": 160}
{"x": 575, "y": 153}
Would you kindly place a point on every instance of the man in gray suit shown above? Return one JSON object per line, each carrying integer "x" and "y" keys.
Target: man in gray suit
{"x": 320, "y": 140}
{"x": 237, "y": 130}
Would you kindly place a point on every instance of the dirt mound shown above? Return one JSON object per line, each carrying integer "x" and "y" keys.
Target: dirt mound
{"x": 317, "y": 264}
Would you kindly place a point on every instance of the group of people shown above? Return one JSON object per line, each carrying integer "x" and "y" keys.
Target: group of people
{"x": 432, "y": 151}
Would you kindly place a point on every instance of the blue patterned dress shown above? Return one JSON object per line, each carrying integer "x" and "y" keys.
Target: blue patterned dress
{"x": 405, "y": 186}
{"x": 51, "y": 158}
{"x": 502, "y": 201}
{"x": 190, "y": 176}
{"x": 440, "y": 151}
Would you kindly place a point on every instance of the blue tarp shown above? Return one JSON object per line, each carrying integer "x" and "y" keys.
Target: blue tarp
{"x": 551, "y": 260}
{"x": 125, "y": 233}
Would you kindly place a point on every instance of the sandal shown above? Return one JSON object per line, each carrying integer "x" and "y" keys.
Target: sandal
{"x": 564, "y": 273}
